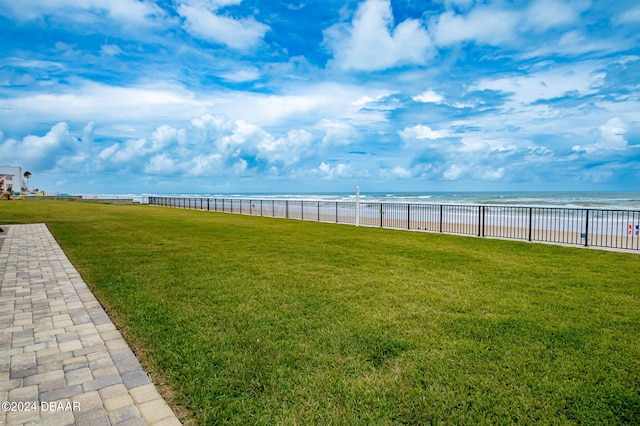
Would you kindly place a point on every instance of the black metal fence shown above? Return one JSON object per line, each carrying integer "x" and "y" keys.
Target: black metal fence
{"x": 618, "y": 229}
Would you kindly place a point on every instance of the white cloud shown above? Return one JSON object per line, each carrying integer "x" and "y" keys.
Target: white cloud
{"x": 484, "y": 24}
{"x": 459, "y": 4}
{"x": 203, "y": 165}
{"x": 111, "y": 50}
{"x": 544, "y": 14}
{"x": 286, "y": 150}
{"x": 629, "y": 16}
{"x": 87, "y": 132}
{"x": 241, "y": 75}
{"x": 401, "y": 172}
{"x": 555, "y": 83}
{"x": 453, "y": 172}
{"x": 130, "y": 13}
{"x": 340, "y": 170}
{"x": 46, "y": 152}
{"x": 214, "y": 123}
{"x": 421, "y": 132}
{"x": 240, "y": 166}
{"x": 611, "y": 138}
{"x": 480, "y": 144}
{"x": 429, "y": 97}
{"x": 241, "y": 134}
{"x": 161, "y": 164}
{"x": 575, "y": 43}
{"x": 127, "y": 152}
{"x": 371, "y": 42}
{"x": 40, "y": 147}
{"x": 135, "y": 111}
{"x": 494, "y": 174}
{"x": 612, "y": 134}
{"x": 496, "y": 25}
{"x": 240, "y": 34}
{"x": 337, "y": 132}
{"x": 165, "y": 135}
{"x": 106, "y": 153}
{"x": 130, "y": 150}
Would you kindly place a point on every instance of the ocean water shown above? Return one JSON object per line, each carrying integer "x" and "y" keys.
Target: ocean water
{"x": 602, "y": 200}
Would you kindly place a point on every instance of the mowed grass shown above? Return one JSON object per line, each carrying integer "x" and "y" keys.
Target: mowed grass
{"x": 249, "y": 320}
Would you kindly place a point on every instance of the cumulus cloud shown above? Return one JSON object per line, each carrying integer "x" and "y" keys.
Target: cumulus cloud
{"x": 133, "y": 149}
{"x": 206, "y": 165}
{"x": 337, "y": 132}
{"x": 420, "y": 132}
{"x": 340, "y": 170}
{"x": 610, "y": 138}
{"x": 201, "y": 20}
{"x": 401, "y": 172}
{"x": 371, "y": 42}
{"x": 108, "y": 152}
{"x": 209, "y": 145}
{"x": 161, "y": 164}
{"x": 56, "y": 148}
{"x": 286, "y": 150}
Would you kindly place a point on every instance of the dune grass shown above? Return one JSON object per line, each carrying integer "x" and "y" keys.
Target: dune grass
{"x": 250, "y": 320}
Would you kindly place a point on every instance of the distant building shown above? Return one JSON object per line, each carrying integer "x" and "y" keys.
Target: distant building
{"x": 11, "y": 178}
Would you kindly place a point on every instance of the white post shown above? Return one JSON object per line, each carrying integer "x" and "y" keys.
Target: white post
{"x": 357, "y": 206}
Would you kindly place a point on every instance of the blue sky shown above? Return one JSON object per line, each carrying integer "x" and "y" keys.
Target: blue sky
{"x": 298, "y": 96}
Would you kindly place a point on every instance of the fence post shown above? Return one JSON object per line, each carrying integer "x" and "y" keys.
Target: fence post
{"x": 530, "y": 221}
{"x": 408, "y": 216}
{"x": 381, "y": 214}
{"x": 586, "y": 230}
{"x": 357, "y": 206}
{"x": 286, "y": 209}
{"x": 318, "y": 211}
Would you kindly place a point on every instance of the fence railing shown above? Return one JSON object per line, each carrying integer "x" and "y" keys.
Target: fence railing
{"x": 608, "y": 228}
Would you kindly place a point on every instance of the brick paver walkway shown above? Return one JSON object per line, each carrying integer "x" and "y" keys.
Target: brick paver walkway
{"x": 62, "y": 361}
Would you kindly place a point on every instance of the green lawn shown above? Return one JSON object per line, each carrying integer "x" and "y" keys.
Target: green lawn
{"x": 249, "y": 320}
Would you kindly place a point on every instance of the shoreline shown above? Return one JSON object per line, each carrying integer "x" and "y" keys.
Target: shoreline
{"x": 618, "y": 200}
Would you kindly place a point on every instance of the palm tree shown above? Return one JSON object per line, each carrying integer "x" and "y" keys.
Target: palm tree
{"x": 27, "y": 175}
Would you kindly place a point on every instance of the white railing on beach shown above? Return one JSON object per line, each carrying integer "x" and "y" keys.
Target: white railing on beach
{"x": 608, "y": 228}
